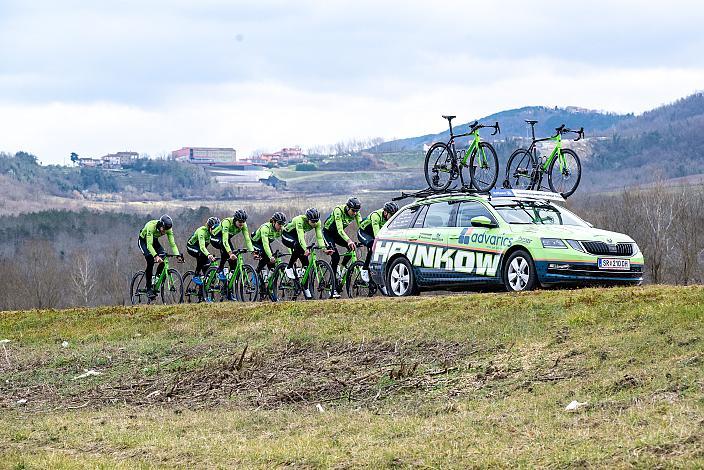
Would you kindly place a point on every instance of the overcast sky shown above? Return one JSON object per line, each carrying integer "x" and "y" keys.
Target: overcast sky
{"x": 153, "y": 76}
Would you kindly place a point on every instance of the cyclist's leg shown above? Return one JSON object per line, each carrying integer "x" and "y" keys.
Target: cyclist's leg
{"x": 330, "y": 242}
{"x": 290, "y": 242}
{"x": 149, "y": 270}
{"x": 231, "y": 262}
{"x": 216, "y": 242}
{"x": 161, "y": 252}
{"x": 367, "y": 240}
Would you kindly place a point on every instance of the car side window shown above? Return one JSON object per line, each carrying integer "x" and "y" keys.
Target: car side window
{"x": 403, "y": 219}
{"x": 421, "y": 217}
{"x": 440, "y": 214}
{"x": 470, "y": 209}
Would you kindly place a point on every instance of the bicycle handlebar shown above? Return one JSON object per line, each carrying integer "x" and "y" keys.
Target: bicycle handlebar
{"x": 565, "y": 130}
{"x": 476, "y": 126}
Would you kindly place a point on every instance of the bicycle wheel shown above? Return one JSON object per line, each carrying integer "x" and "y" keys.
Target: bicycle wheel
{"x": 212, "y": 289}
{"x": 439, "y": 166}
{"x": 247, "y": 284}
{"x": 356, "y": 285}
{"x": 138, "y": 289}
{"x": 566, "y": 179}
{"x": 483, "y": 169}
{"x": 519, "y": 170}
{"x": 190, "y": 288}
{"x": 282, "y": 287}
{"x": 320, "y": 283}
{"x": 172, "y": 288}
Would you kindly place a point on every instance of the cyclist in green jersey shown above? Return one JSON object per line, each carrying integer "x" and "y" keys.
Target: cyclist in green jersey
{"x": 197, "y": 247}
{"x": 150, "y": 247}
{"x": 334, "y": 233}
{"x": 368, "y": 230}
{"x": 222, "y": 236}
{"x": 293, "y": 237}
{"x": 265, "y": 234}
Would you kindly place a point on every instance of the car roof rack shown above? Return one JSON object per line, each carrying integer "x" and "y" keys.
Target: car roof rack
{"x": 527, "y": 194}
{"x": 429, "y": 192}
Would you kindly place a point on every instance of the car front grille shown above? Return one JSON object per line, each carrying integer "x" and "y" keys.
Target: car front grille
{"x": 614, "y": 249}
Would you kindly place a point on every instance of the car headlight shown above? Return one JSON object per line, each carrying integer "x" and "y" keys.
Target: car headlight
{"x": 575, "y": 245}
{"x": 553, "y": 243}
{"x": 636, "y": 249}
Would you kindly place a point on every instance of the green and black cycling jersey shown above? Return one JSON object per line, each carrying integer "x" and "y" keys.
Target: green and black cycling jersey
{"x": 264, "y": 235}
{"x": 297, "y": 228}
{"x": 228, "y": 229}
{"x": 338, "y": 221}
{"x": 200, "y": 239}
{"x": 150, "y": 232}
{"x": 373, "y": 222}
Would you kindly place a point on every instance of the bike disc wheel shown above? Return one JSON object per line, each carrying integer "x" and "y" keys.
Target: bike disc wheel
{"x": 190, "y": 288}
{"x": 321, "y": 280}
{"x": 138, "y": 289}
{"x": 519, "y": 170}
{"x": 483, "y": 170}
{"x": 247, "y": 284}
{"x": 356, "y": 286}
{"x": 566, "y": 179}
{"x": 283, "y": 288}
{"x": 172, "y": 288}
{"x": 439, "y": 166}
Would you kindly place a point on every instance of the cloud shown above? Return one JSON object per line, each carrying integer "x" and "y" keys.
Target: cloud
{"x": 156, "y": 75}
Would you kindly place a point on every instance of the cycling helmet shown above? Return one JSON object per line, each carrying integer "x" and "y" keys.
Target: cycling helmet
{"x": 165, "y": 221}
{"x": 391, "y": 208}
{"x": 240, "y": 215}
{"x": 213, "y": 222}
{"x": 279, "y": 217}
{"x": 313, "y": 215}
{"x": 353, "y": 203}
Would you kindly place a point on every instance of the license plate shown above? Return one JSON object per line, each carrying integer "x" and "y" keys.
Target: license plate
{"x": 616, "y": 264}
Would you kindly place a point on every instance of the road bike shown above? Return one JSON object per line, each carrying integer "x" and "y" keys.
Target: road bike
{"x": 240, "y": 284}
{"x": 477, "y": 168}
{"x": 168, "y": 284}
{"x": 317, "y": 277}
{"x": 525, "y": 169}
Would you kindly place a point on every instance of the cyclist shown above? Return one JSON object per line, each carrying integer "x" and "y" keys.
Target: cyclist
{"x": 222, "y": 236}
{"x": 197, "y": 247}
{"x": 293, "y": 237}
{"x": 150, "y": 247}
{"x": 262, "y": 238}
{"x": 368, "y": 230}
{"x": 334, "y": 234}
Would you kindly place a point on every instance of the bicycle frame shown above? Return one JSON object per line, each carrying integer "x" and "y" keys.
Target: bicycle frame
{"x": 353, "y": 257}
{"x": 236, "y": 273}
{"x": 472, "y": 147}
{"x": 164, "y": 276}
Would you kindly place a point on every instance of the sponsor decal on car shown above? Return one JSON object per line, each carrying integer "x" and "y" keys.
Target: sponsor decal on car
{"x": 468, "y": 235}
{"x": 436, "y": 257}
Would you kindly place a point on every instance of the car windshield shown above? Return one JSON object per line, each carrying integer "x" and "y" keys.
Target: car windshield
{"x": 538, "y": 213}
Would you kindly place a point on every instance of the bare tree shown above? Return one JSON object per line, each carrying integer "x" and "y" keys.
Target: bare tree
{"x": 83, "y": 276}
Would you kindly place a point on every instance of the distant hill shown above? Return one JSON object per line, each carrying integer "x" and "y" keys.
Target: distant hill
{"x": 664, "y": 143}
{"x": 513, "y": 124}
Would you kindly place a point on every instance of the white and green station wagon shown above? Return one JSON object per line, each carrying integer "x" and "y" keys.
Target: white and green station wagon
{"x": 521, "y": 239}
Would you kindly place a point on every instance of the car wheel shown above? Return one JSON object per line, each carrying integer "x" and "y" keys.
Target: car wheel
{"x": 519, "y": 272}
{"x": 400, "y": 281}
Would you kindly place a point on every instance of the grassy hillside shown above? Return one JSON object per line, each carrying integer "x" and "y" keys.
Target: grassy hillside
{"x": 442, "y": 382}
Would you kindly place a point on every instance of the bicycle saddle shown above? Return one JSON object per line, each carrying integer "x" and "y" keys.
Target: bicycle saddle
{"x": 449, "y": 118}
{"x": 531, "y": 122}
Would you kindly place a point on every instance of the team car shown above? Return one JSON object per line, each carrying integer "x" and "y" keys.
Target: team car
{"x": 521, "y": 239}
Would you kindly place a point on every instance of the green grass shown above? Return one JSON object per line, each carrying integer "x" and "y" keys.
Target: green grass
{"x": 434, "y": 382}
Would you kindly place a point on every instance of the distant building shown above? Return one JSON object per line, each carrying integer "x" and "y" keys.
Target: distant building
{"x": 87, "y": 162}
{"x": 206, "y": 155}
{"x": 285, "y": 156}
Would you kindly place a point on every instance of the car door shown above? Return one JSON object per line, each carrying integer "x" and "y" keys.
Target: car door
{"x": 431, "y": 257}
{"x": 479, "y": 248}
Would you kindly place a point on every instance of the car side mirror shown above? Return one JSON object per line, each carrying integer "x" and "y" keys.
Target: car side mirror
{"x": 483, "y": 221}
